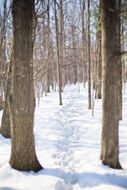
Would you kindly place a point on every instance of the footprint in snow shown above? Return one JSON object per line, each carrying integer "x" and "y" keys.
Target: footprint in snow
{"x": 61, "y": 186}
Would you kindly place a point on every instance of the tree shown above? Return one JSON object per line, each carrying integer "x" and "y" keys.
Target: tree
{"x": 83, "y": 9}
{"x": 48, "y": 61}
{"x": 5, "y": 129}
{"x": 21, "y": 97}
{"x": 99, "y": 60}
{"x": 110, "y": 73}
{"x": 3, "y": 19}
{"x": 5, "y": 124}
{"x": 59, "y": 78}
{"x": 120, "y": 64}
{"x": 88, "y": 54}
{"x": 61, "y": 32}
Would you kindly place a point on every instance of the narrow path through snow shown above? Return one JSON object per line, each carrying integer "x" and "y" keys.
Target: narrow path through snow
{"x": 68, "y": 146}
{"x": 75, "y": 138}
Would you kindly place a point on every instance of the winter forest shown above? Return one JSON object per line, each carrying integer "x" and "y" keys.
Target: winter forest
{"x": 63, "y": 94}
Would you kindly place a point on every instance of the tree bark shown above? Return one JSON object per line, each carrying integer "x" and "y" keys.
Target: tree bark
{"x": 59, "y": 79}
{"x": 48, "y": 61}
{"x": 5, "y": 124}
{"x": 83, "y": 9}
{"x": 110, "y": 60}
{"x": 61, "y": 32}
{"x": 88, "y": 55}
{"x": 3, "y": 52}
{"x": 74, "y": 57}
{"x": 21, "y": 98}
{"x": 5, "y": 129}
{"x": 120, "y": 64}
{"x": 99, "y": 60}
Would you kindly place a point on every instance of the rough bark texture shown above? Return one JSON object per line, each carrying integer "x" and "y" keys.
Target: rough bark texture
{"x": 5, "y": 129}
{"x": 1, "y": 103}
{"x": 110, "y": 61}
{"x": 120, "y": 66}
{"x": 21, "y": 107}
{"x": 3, "y": 52}
{"x": 120, "y": 90}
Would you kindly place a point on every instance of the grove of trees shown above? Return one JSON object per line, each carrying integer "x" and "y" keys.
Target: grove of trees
{"x": 47, "y": 44}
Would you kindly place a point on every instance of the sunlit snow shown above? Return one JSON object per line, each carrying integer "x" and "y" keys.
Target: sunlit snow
{"x": 68, "y": 142}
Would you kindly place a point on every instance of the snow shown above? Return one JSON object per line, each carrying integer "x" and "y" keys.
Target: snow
{"x": 68, "y": 147}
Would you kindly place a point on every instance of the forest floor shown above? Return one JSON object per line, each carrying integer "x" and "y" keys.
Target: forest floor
{"x": 68, "y": 147}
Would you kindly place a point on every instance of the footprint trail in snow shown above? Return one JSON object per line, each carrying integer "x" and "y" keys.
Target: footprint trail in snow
{"x": 69, "y": 139}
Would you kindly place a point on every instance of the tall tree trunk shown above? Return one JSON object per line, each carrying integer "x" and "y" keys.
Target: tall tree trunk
{"x": 110, "y": 60}
{"x": 99, "y": 60}
{"x": 88, "y": 54}
{"x": 83, "y": 41}
{"x": 48, "y": 61}
{"x": 59, "y": 79}
{"x": 3, "y": 52}
{"x": 21, "y": 98}
{"x": 5, "y": 129}
{"x": 61, "y": 32}
{"x": 120, "y": 64}
{"x": 74, "y": 58}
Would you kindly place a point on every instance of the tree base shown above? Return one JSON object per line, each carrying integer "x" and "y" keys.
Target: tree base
{"x": 1, "y": 105}
{"x": 27, "y": 169}
{"x": 98, "y": 96}
{"x": 112, "y": 165}
{"x": 5, "y": 135}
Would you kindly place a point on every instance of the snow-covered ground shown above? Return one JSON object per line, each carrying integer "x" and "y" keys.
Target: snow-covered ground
{"x": 68, "y": 147}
